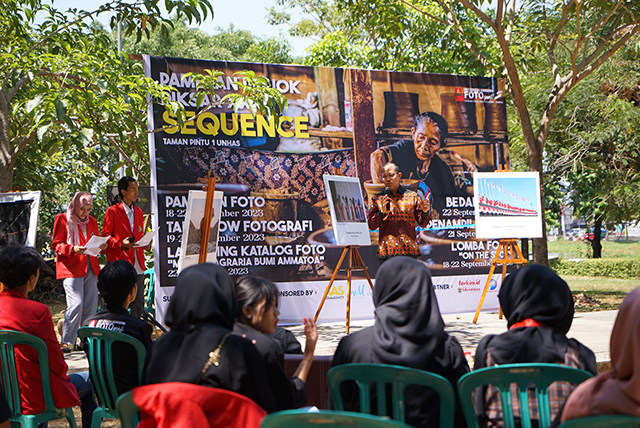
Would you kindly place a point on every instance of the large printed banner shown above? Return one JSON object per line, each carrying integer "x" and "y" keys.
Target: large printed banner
{"x": 275, "y": 219}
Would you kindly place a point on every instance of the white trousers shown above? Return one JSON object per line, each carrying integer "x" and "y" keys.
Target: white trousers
{"x": 82, "y": 302}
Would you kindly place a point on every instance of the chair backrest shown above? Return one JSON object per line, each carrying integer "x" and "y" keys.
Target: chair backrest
{"x": 536, "y": 376}
{"x": 608, "y": 421}
{"x": 151, "y": 291}
{"x": 99, "y": 344}
{"x": 301, "y": 419}
{"x": 8, "y": 341}
{"x": 380, "y": 375}
{"x": 128, "y": 412}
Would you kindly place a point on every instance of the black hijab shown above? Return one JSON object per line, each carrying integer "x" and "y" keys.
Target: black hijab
{"x": 201, "y": 312}
{"x": 204, "y": 294}
{"x": 408, "y": 329}
{"x": 531, "y": 292}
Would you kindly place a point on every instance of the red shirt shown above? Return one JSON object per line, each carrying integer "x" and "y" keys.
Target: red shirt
{"x": 68, "y": 263}
{"x": 21, "y": 314}
{"x": 185, "y": 405}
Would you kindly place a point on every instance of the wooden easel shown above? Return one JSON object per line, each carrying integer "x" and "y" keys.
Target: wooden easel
{"x": 510, "y": 247}
{"x": 355, "y": 263}
{"x": 206, "y": 224}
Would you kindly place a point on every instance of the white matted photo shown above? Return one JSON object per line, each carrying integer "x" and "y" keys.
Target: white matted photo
{"x": 507, "y": 205}
{"x": 192, "y": 228}
{"x": 348, "y": 213}
{"x": 19, "y": 218}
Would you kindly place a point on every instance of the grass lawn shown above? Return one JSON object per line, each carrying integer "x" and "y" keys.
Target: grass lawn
{"x": 582, "y": 249}
{"x": 608, "y": 292}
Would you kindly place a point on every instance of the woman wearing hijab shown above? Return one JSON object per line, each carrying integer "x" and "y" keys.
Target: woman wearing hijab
{"x": 200, "y": 348}
{"x": 79, "y": 272}
{"x": 257, "y": 319}
{"x": 408, "y": 331}
{"x": 538, "y": 306}
{"x": 616, "y": 392}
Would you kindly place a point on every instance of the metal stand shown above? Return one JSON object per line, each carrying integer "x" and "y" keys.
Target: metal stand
{"x": 354, "y": 263}
{"x": 510, "y": 247}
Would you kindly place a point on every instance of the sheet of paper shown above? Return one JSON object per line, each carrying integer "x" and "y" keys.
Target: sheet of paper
{"x": 93, "y": 245}
{"x": 146, "y": 239}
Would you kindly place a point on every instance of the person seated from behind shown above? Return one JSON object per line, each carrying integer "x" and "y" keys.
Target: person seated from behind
{"x": 615, "y": 392}
{"x": 5, "y": 411}
{"x": 200, "y": 347}
{"x": 287, "y": 341}
{"x": 117, "y": 284}
{"x": 257, "y": 318}
{"x": 409, "y": 332}
{"x": 539, "y": 309}
{"x": 19, "y": 273}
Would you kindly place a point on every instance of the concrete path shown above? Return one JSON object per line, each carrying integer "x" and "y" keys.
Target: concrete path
{"x": 593, "y": 329}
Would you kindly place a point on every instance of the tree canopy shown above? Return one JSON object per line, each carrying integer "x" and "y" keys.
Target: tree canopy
{"x": 560, "y": 42}
{"x": 73, "y": 110}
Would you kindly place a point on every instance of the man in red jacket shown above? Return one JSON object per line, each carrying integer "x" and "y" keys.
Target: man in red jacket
{"x": 123, "y": 224}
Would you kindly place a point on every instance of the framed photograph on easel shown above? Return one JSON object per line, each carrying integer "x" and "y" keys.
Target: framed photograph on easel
{"x": 192, "y": 228}
{"x": 348, "y": 213}
{"x": 507, "y": 205}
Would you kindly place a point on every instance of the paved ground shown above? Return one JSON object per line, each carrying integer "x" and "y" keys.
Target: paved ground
{"x": 593, "y": 329}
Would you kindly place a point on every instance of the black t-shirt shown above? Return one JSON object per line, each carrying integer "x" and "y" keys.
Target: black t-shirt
{"x": 5, "y": 411}
{"x": 125, "y": 366}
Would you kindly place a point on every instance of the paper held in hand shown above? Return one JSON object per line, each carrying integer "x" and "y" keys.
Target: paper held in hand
{"x": 146, "y": 239}
{"x": 93, "y": 245}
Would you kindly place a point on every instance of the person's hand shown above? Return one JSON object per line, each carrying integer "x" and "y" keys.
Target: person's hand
{"x": 127, "y": 243}
{"x": 79, "y": 249}
{"x": 311, "y": 335}
{"x": 468, "y": 165}
{"x": 103, "y": 247}
{"x": 383, "y": 203}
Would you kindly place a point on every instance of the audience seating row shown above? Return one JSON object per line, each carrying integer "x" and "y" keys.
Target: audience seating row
{"x": 370, "y": 378}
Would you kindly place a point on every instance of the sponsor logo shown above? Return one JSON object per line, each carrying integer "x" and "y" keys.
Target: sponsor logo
{"x": 493, "y": 284}
{"x": 468, "y": 289}
{"x": 473, "y": 95}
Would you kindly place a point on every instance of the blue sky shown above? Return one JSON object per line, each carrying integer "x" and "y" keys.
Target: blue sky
{"x": 522, "y": 186}
{"x": 247, "y": 15}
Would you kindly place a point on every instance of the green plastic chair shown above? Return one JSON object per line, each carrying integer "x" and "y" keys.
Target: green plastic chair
{"x": 99, "y": 344}
{"x": 337, "y": 419}
{"x": 128, "y": 412}
{"x": 150, "y": 291}
{"x": 608, "y": 421}
{"x": 399, "y": 377}
{"x": 8, "y": 342}
{"x": 537, "y": 376}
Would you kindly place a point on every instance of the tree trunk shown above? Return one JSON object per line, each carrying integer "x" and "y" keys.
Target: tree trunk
{"x": 539, "y": 245}
{"x": 6, "y": 163}
{"x": 596, "y": 244}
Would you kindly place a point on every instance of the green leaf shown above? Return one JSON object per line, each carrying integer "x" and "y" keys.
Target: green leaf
{"x": 33, "y": 103}
{"x": 61, "y": 110}
{"x": 85, "y": 136}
